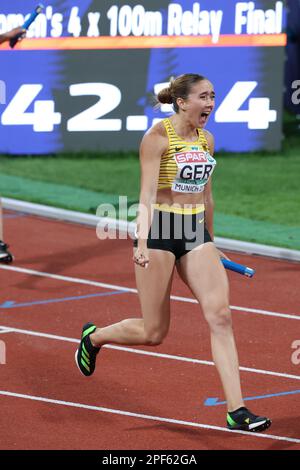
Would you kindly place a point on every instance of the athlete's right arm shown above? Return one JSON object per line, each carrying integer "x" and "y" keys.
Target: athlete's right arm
{"x": 153, "y": 145}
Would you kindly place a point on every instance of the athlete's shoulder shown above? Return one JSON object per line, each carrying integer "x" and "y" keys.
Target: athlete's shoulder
{"x": 158, "y": 129}
{"x": 210, "y": 140}
{"x": 156, "y": 132}
{"x": 156, "y": 136}
{"x": 208, "y": 134}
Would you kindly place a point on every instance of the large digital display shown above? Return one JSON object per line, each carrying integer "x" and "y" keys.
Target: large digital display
{"x": 85, "y": 76}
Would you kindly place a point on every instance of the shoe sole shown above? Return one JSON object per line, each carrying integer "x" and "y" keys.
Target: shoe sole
{"x": 260, "y": 427}
{"x": 87, "y": 325}
{"x": 6, "y": 259}
{"x": 76, "y": 360}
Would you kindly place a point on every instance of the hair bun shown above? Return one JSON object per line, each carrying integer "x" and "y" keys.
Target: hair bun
{"x": 164, "y": 96}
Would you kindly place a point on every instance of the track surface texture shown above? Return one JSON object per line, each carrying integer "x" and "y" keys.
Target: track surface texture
{"x": 167, "y": 397}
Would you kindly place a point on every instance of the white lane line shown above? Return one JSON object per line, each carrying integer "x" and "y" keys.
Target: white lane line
{"x": 6, "y": 330}
{"x": 150, "y": 353}
{"x": 134, "y": 291}
{"x": 147, "y": 417}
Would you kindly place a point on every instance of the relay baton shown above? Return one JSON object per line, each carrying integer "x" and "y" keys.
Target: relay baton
{"x": 26, "y": 25}
{"x": 238, "y": 268}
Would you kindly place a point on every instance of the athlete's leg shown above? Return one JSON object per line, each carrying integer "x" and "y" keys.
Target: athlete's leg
{"x": 5, "y": 255}
{"x": 202, "y": 271}
{"x": 154, "y": 286}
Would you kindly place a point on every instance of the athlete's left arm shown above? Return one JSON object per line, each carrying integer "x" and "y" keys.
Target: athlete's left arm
{"x": 208, "y": 195}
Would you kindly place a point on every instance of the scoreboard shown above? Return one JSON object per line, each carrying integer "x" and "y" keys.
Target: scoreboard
{"x": 85, "y": 76}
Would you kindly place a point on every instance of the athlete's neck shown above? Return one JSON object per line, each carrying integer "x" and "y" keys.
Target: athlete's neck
{"x": 184, "y": 128}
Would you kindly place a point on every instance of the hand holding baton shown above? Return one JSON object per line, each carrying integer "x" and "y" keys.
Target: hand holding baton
{"x": 26, "y": 25}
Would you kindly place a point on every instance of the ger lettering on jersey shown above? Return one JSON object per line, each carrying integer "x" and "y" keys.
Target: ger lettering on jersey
{"x": 186, "y": 166}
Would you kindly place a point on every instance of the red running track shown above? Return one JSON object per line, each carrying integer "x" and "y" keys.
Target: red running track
{"x": 47, "y": 404}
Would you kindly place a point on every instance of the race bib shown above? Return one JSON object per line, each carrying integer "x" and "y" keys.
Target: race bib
{"x": 194, "y": 171}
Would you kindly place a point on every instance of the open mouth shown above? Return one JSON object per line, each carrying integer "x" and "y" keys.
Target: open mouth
{"x": 203, "y": 117}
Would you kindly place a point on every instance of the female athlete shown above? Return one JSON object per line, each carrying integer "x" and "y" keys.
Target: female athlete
{"x": 175, "y": 229}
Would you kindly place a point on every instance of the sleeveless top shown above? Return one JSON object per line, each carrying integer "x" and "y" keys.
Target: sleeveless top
{"x": 186, "y": 166}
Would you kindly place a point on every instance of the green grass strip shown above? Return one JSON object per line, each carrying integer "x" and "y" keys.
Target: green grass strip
{"x": 58, "y": 195}
{"x": 256, "y": 231}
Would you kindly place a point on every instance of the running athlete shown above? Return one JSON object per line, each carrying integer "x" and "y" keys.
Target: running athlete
{"x": 176, "y": 158}
{"x": 5, "y": 255}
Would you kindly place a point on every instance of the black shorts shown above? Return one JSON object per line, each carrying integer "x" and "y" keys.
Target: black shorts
{"x": 179, "y": 232}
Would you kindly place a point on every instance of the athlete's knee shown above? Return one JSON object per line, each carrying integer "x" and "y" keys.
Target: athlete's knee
{"x": 155, "y": 336}
{"x": 219, "y": 318}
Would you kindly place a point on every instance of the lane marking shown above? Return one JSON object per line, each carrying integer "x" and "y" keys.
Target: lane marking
{"x": 215, "y": 402}
{"x": 134, "y": 291}
{"x": 6, "y": 330}
{"x": 12, "y": 304}
{"x": 7, "y": 304}
{"x": 150, "y": 353}
{"x": 146, "y": 417}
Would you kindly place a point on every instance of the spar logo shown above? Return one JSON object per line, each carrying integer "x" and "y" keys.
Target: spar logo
{"x": 190, "y": 157}
{"x": 194, "y": 166}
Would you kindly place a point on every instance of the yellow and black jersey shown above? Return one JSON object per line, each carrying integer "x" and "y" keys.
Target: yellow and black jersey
{"x": 186, "y": 166}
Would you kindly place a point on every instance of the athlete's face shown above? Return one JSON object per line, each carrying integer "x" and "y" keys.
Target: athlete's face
{"x": 200, "y": 103}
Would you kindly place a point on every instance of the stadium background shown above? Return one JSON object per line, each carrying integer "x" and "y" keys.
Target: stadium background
{"x": 256, "y": 185}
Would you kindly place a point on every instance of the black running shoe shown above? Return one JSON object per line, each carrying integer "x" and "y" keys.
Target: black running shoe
{"x": 244, "y": 420}
{"x": 86, "y": 354}
{"x": 5, "y": 255}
